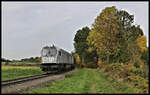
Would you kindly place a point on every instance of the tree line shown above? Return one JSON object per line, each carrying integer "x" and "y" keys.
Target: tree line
{"x": 30, "y": 59}
{"x": 113, "y": 38}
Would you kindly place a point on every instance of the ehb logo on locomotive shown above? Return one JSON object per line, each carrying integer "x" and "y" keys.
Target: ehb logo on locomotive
{"x": 48, "y": 59}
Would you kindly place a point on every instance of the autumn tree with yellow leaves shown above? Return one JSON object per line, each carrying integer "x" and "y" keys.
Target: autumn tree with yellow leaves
{"x": 104, "y": 32}
{"x": 115, "y": 38}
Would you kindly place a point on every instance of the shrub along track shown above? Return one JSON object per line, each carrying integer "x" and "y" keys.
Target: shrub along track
{"x": 15, "y": 85}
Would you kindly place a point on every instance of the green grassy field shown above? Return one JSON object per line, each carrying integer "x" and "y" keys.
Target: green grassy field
{"x": 20, "y": 63}
{"x": 12, "y": 72}
{"x": 85, "y": 81}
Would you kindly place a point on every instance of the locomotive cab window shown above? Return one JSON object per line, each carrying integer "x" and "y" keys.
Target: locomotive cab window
{"x": 53, "y": 51}
{"x": 45, "y": 52}
{"x": 59, "y": 53}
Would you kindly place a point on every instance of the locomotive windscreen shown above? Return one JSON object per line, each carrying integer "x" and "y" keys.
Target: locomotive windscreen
{"x": 49, "y": 51}
{"x": 53, "y": 51}
{"x": 45, "y": 52}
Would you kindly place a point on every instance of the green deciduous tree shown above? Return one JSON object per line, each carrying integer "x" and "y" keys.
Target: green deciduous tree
{"x": 80, "y": 43}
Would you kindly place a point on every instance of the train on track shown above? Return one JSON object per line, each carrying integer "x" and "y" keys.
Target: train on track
{"x": 56, "y": 59}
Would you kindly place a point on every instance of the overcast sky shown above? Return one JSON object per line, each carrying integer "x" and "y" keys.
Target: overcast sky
{"x": 28, "y": 26}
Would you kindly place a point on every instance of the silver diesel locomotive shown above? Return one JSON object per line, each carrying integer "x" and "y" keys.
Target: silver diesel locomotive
{"x": 55, "y": 59}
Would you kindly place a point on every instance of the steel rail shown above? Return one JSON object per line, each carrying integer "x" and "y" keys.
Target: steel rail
{"x": 28, "y": 78}
{"x": 21, "y": 80}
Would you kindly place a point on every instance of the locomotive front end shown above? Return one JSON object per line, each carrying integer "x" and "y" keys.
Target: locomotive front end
{"x": 48, "y": 56}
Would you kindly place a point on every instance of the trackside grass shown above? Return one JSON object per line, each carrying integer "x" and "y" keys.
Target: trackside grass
{"x": 12, "y": 72}
{"x": 85, "y": 81}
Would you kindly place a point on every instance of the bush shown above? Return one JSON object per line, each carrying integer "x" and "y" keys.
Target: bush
{"x": 77, "y": 65}
{"x": 116, "y": 71}
{"x": 7, "y": 63}
{"x": 130, "y": 70}
{"x": 137, "y": 65}
{"x": 99, "y": 63}
{"x": 139, "y": 82}
{"x": 140, "y": 72}
{"x": 137, "y": 77}
{"x": 114, "y": 67}
{"x": 91, "y": 65}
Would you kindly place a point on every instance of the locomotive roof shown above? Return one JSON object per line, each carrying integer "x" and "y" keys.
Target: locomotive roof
{"x": 56, "y": 48}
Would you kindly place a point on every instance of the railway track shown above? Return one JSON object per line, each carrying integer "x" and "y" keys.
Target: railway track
{"x": 25, "y": 83}
{"x": 21, "y": 80}
{"x": 28, "y": 78}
